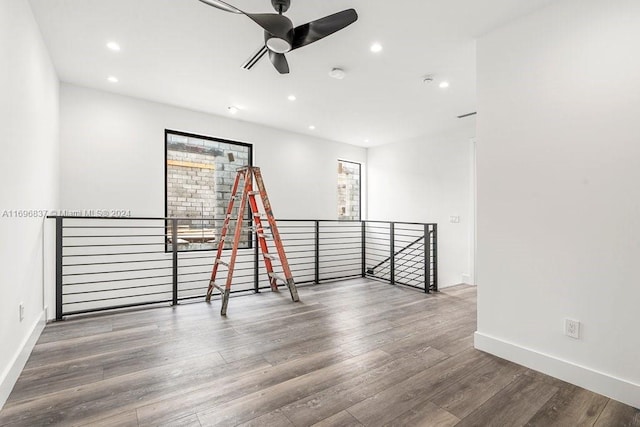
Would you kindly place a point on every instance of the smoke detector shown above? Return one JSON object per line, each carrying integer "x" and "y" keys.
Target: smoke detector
{"x": 428, "y": 79}
{"x": 337, "y": 73}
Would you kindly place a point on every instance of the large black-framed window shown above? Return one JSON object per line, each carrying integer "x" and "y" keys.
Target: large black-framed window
{"x": 199, "y": 174}
{"x": 349, "y": 190}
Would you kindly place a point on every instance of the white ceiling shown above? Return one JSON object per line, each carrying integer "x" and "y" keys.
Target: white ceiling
{"x": 185, "y": 53}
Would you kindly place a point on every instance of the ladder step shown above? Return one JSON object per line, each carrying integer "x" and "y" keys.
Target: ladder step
{"x": 253, "y": 193}
{"x": 221, "y": 262}
{"x": 219, "y": 288}
{"x": 271, "y": 257}
{"x": 264, "y": 235}
{"x": 278, "y": 277}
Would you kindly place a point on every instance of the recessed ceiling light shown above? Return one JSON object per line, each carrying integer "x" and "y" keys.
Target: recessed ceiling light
{"x": 291, "y": 98}
{"x": 444, "y": 85}
{"x": 312, "y": 127}
{"x": 376, "y": 48}
{"x": 366, "y": 140}
{"x": 233, "y": 110}
{"x": 112, "y": 79}
{"x": 114, "y": 46}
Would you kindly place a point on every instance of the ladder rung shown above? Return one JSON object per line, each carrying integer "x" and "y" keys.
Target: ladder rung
{"x": 260, "y": 214}
{"x": 221, "y": 262}
{"x": 271, "y": 257}
{"x": 218, "y": 288}
{"x": 265, "y": 236}
{"x": 277, "y": 277}
{"x": 253, "y": 193}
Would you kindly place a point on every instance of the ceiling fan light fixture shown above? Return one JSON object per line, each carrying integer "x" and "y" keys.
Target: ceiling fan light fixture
{"x": 278, "y": 45}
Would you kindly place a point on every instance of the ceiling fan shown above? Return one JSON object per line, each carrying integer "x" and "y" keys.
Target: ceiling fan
{"x": 279, "y": 34}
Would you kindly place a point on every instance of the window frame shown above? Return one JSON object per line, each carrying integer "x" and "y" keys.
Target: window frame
{"x": 168, "y": 132}
{"x": 359, "y": 189}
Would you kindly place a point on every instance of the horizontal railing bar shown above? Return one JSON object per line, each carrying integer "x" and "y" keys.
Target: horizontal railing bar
{"x": 116, "y": 262}
{"x": 115, "y": 271}
{"x": 115, "y": 226}
{"x": 305, "y": 269}
{"x": 349, "y": 264}
{"x": 210, "y": 265}
{"x": 115, "y": 307}
{"x": 115, "y": 245}
{"x": 355, "y": 267}
{"x": 116, "y": 254}
{"x": 194, "y": 281}
{"x": 331, "y": 221}
{"x": 117, "y": 236}
{"x": 116, "y": 298}
{"x": 347, "y": 276}
{"x": 116, "y": 289}
{"x": 115, "y": 280}
{"x": 285, "y": 239}
{"x": 357, "y": 258}
{"x": 302, "y": 263}
{"x": 358, "y": 244}
{"x": 340, "y": 238}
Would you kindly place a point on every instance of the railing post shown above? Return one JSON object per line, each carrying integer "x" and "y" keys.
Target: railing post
{"x": 427, "y": 259}
{"x": 317, "y": 253}
{"x": 392, "y": 249}
{"x": 256, "y": 265}
{"x": 435, "y": 257}
{"x": 174, "y": 250}
{"x": 59, "y": 267}
{"x": 364, "y": 250}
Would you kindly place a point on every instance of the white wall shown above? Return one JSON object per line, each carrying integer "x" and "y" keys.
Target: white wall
{"x": 427, "y": 179}
{"x": 112, "y": 156}
{"x": 28, "y": 171}
{"x": 559, "y": 193}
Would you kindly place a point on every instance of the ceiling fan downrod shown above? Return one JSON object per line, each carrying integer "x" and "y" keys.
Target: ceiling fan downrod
{"x": 281, "y": 6}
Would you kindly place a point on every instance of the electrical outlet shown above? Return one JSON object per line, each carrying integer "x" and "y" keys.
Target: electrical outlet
{"x": 572, "y": 328}
{"x": 21, "y": 311}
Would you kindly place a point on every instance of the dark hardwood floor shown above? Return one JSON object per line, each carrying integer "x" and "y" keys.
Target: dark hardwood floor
{"x": 351, "y": 353}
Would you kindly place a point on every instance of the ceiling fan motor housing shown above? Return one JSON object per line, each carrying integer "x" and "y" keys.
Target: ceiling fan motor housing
{"x": 281, "y": 6}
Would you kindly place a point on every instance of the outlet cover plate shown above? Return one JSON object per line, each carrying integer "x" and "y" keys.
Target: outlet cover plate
{"x": 572, "y": 328}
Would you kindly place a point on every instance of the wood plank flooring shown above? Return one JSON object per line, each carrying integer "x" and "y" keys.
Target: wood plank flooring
{"x": 352, "y": 353}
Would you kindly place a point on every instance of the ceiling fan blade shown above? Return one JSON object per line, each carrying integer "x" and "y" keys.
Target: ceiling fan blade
{"x": 277, "y": 25}
{"x": 280, "y": 62}
{"x": 222, "y": 5}
{"x": 255, "y": 58}
{"x": 323, "y": 27}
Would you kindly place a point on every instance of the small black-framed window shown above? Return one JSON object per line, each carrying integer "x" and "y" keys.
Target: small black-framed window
{"x": 349, "y": 190}
{"x": 199, "y": 175}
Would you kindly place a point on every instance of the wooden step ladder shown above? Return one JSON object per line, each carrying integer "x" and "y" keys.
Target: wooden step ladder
{"x": 244, "y": 178}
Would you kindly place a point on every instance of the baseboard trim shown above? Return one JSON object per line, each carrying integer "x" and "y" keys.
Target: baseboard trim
{"x": 598, "y": 382}
{"x": 20, "y": 359}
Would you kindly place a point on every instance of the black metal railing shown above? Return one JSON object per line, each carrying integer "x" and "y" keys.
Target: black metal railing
{"x": 111, "y": 263}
